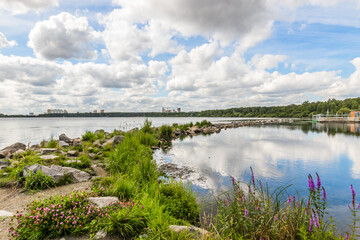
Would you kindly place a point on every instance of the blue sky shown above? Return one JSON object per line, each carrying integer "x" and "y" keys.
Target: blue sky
{"x": 142, "y": 55}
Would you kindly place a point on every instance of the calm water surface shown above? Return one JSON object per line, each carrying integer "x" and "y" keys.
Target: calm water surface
{"x": 34, "y": 130}
{"x": 279, "y": 155}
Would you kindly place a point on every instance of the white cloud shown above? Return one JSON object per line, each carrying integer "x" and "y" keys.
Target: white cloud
{"x": 27, "y": 70}
{"x": 267, "y": 61}
{"x": 125, "y": 40}
{"x": 226, "y": 21}
{"x": 23, "y": 6}
{"x": 63, "y": 36}
{"x": 5, "y": 43}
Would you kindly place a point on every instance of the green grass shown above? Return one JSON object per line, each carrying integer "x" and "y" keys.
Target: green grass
{"x": 89, "y": 137}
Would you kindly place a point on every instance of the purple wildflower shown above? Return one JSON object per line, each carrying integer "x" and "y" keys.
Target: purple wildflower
{"x": 324, "y": 194}
{"x": 318, "y": 182}
{"x": 233, "y": 180}
{"x": 311, "y": 183}
{"x": 347, "y": 237}
{"x": 288, "y": 200}
{"x": 353, "y": 194}
{"x": 246, "y": 213}
{"x": 252, "y": 176}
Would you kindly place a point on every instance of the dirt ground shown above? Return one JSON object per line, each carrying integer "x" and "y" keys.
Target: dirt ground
{"x": 13, "y": 200}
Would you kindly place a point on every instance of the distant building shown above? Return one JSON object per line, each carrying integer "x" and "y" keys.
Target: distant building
{"x": 168, "y": 110}
{"x": 31, "y": 114}
{"x": 57, "y": 111}
{"x": 95, "y": 111}
{"x": 102, "y": 111}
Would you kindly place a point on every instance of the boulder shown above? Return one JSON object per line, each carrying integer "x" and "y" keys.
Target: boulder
{"x": 198, "y": 232}
{"x": 49, "y": 157}
{"x": 72, "y": 153}
{"x": 35, "y": 147}
{"x": 76, "y": 142}
{"x": 65, "y": 138}
{"x": 48, "y": 150}
{"x": 72, "y": 161}
{"x": 4, "y": 213}
{"x": 103, "y": 201}
{"x": 4, "y": 164}
{"x": 63, "y": 144}
{"x": 97, "y": 143}
{"x": 100, "y": 234}
{"x": 114, "y": 141}
{"x": 10, "y": 150}
{"x": 99, "y": 131}
{"x": 58, "y": 172}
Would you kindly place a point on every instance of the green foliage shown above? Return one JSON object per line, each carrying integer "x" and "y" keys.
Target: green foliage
{"x": 165, "y": 132}
{"x": 147, "y": 127}
{"x": 203, "y": 123}
{"x": 127, "y": 221}
{"x": 100, "y": 135}
{"x": 343, "y": 110}
{"x": 89, "y": 136}
{"x": 52, "y": 143}
{"x": 38, "y": 181}
{"x": 179, "y": 201}
{"x": 258, "y": 213}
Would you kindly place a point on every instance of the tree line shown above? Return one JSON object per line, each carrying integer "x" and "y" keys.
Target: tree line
{"x": 306, "y": 109}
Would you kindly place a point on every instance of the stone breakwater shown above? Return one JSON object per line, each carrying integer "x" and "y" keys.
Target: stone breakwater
{"x": 217, "y": 127}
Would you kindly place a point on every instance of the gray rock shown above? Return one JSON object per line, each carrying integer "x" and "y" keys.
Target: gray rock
{"x": 72, "y": 153}
{"x": 103, "y": 201}
{"x": 100, "y": 234}
{"x": 72, "y": 161}
{"x": 76, "y": 142}
{"x": 48, "y": 150}
{"x": 49, "y": 157}
{"x": 114, "y": 141}
{"x": 97, "y": 143}
{"x": 92, "y": 155}
{"x": 198, "y": 232}
{"x": 65, "y": 138}
{"x": 10, "y": 150}
{"x": 63, "y": 144}
{"x": 19, "y": 152}
{"x": 35, "y": 147}
{"x": 4, "y": 213}
{"x": 4, "y": 163}
{"x": 58, "y": 172}
{"x": 99, "y": 131}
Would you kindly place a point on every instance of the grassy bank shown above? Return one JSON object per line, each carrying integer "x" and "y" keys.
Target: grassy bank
{"x": 149, "y": 202}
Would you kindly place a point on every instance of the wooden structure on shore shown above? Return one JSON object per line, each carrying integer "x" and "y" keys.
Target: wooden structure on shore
{"x": 352, "y": 117}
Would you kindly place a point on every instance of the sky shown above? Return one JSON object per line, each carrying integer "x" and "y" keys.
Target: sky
{"x": 141, "y": 55}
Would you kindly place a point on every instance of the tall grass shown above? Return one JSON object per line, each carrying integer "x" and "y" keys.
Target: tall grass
{"x": 165, "y": 132}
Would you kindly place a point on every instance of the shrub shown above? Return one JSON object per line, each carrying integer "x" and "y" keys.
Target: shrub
{"x": 165, "y": 132}
{"x": 179, "y": 201}
{"x": 52, "y": 143}
{"x": 146, "y": 139}
{"x": 127, "y": 220}
{"x": 38, "y": 181}
{"x": 147, "y": 127}
{"x": 89, "y": 136}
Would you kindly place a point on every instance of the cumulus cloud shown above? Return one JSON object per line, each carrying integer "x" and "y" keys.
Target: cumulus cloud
{"x": 126, "y": 40}
{"x": 27, "y": 70}
{"x": 5, "y": 43}
{"x": 226, "y": 21}
{"x": 63, "y": 36}
{"x": 23, "y": 6}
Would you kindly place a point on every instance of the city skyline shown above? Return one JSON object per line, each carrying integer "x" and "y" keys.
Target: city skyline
{"x": 140, "y": 55}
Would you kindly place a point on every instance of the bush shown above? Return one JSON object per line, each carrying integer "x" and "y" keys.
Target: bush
{"x": 89, "y": 136}
{"x": 147, "y": 127}
{"x": 127, "y": 220}
{"x": 38, "y": 181}
{"x": 165, "y": 132}
{"x": 180, "y": 201}
{"x": 52, "y": 143}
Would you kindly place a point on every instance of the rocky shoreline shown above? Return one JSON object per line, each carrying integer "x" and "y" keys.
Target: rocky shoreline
{"x": 82, "y": 160}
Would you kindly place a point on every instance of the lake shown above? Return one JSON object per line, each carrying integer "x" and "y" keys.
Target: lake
{"x": 279, "y": 155}
{"x": 34, "y": 130}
